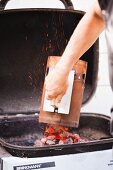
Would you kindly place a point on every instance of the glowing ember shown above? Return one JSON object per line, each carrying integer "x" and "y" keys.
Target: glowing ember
{"x": 59, "y": 135}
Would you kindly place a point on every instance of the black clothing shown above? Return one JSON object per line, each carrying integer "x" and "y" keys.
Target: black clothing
{"x": 103, "y": 4}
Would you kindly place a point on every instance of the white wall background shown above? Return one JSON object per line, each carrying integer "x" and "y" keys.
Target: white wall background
{"x": 78, "y": 4}
{"x": 102, "y": 101}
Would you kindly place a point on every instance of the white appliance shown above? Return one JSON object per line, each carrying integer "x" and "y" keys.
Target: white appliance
{"x": 90, "y": 161}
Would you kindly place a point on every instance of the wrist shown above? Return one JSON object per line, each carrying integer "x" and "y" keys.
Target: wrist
{"x": 62, "y": 69}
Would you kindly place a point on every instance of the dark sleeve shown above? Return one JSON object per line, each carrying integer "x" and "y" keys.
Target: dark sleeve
{"x": 103, "y": 4}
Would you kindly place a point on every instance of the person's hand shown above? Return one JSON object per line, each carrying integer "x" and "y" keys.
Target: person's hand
{"x": 56, "y": 84}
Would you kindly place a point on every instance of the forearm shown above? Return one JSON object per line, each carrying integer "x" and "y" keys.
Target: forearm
{"x": 84, "y": 35}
